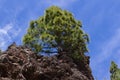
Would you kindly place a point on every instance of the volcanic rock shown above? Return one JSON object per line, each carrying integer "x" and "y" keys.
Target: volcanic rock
{"x": 21, "y": 63}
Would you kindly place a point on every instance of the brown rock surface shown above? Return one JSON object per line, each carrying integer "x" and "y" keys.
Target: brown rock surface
{"x": 20, "y": 63}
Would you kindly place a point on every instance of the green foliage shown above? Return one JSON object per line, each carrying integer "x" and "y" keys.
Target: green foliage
{"x": 0, "y": 51}
{"x": 76, "y": 56}
{"x": 115, "y": 71}
{"x": 58, "y": 29}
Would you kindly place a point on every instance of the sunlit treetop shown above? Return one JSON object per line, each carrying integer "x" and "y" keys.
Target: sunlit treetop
{"x": 57, "y": 29}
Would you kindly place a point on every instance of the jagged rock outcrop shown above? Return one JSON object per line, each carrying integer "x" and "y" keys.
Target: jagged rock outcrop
{"x": 20, "y": 63}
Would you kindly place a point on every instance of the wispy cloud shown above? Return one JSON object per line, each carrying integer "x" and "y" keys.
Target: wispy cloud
{"x": 117, "y": 56}
{"x": 101, "y": 61}
{"x": 7, "y": 33}
{"x": 4, "y": 36}
{"x": 103, "y": 25}
{"x": 108, "y": 48}
{"x": 5, "y": 29}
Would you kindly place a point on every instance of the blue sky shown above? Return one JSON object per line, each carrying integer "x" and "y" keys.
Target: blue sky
{"x": 100, "y": 19}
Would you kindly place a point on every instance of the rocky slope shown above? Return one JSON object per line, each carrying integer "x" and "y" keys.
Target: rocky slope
{"x": 20, "y": 63}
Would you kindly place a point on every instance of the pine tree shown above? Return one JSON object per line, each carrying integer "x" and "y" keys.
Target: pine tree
{"x": 115, "y": 71}
{"x": 57, "y": 29}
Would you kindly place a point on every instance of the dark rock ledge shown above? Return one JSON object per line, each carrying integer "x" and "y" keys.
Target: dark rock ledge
{"x": 20, "y": 63}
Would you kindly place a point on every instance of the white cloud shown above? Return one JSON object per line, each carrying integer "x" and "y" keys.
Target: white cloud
{"x": 4, "y": 36}
{"x": 5, "y": 29}
{"x": 2, "y": 44}
{"x": 7, "y": 33}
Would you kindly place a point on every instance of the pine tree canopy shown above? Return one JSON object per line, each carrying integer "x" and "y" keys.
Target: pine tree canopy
{"x": 115, "y": 71}
{"x": 56, "y": 29}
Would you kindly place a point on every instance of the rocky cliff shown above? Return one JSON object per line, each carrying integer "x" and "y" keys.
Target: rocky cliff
{"x": 20, "y": 63}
